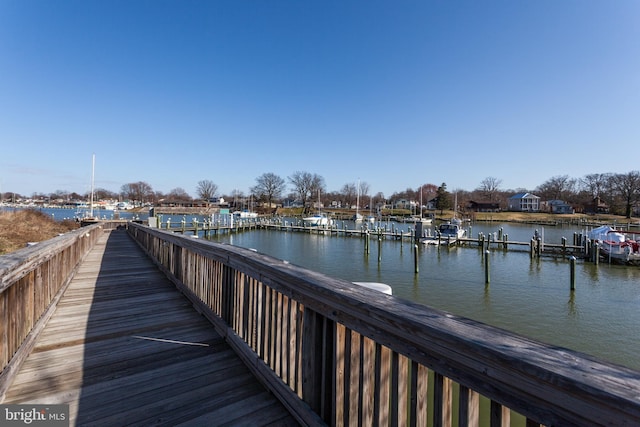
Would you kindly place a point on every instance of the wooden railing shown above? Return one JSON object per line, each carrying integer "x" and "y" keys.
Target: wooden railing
{"x": 32, "y": 280}
{"x": 341, "y": 354}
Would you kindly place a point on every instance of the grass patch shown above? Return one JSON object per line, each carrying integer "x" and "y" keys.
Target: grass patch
{"x": 23, "y": 226}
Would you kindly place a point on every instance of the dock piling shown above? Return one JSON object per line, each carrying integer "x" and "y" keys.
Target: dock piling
{"x": 366, "y": 242}
{"x": 486, "y": 267}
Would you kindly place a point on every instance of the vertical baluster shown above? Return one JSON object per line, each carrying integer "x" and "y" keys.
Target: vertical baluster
{"x": 500, "y": 415}
{"x": 469, "y": 408}
{"x": 442, "y": 400}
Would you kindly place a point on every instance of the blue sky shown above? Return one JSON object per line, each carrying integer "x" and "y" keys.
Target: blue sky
{"x": 397, "y": 94}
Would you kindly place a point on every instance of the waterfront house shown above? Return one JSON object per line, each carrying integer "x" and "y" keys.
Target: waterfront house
{"x": 432, "y": 204}
{"x": 597, "y": 206}
{"x": 559, "y": 207}
{"x": 524, "y": 202}
{"x": 483, "y": 206}
{"x": 405, "y": 204}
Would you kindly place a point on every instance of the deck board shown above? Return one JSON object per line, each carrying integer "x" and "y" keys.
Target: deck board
{"x": 125, "y": 347}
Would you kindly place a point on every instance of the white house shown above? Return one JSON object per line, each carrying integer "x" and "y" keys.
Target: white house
{"x": 524, "y": 202}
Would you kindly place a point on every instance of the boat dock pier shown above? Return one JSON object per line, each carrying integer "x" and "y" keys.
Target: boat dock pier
{"x": 209, "y": 228}
{"x": 579, "y": 247}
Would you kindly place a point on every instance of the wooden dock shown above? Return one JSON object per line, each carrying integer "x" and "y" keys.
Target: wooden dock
{"x": 87, "y": 320}
{"x": 536, "y": 248}
{"x": 124, "y": 347}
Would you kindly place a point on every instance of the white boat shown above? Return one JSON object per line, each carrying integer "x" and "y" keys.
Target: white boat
{"x": 416, "y": 219}
{"x": 451, "y": 230}
{"x": 245, "y": 214}
{"x": 617, "y": 246}
{"x": 319, "y": 219}
{"x": 448, "y": 233}
{"x": 107, "y": 206}
{"x": 419, "y": 217}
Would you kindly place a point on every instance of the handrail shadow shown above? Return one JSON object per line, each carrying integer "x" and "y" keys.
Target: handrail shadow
{"x": 150, "y": 358}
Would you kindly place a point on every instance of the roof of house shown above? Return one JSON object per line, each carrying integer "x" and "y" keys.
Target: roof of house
{"x": 524, "y": 196}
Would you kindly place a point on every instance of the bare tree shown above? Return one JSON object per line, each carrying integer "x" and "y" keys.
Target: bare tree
{"x": 364, "y": 188}
{"x": 206, "y": 190}
{"x": 595, "y": 184}
{"x": 61, "y": 194}
{"x": 349, "y": 192}
{"x": 102, "y": 194}
{"x": 353, "y": 191}
{"x": 490, "y": 187}
{"x": 72, "y": 196}
{"x": 238, "y": 198}
{"x": 179, "y": 194}
{"x": 269, "y": 186}
{"x": 139, "y": 192}
{"x": 427, "y": 192}
{"x": 557, "y": 188}
{"x": 158, "y": 195}
{"x": 627, "y": 187}
{"x": 305, "y": 185}
{"x": 301, "y": 182}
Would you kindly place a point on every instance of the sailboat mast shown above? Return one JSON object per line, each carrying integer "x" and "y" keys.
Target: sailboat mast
{"x": 358, "y": 198}
{"x": 93, "y": 171}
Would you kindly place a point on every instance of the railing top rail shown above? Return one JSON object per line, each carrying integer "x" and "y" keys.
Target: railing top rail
{"x": 540, "y": 381}
{"x": 16, "y": 264}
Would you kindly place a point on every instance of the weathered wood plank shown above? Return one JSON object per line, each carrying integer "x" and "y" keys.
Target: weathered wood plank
{"x": 123, "y": 354}
{"x": 125, "y": 348}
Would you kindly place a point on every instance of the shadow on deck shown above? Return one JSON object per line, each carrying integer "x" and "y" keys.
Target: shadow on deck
{"x": 124, "y": 347}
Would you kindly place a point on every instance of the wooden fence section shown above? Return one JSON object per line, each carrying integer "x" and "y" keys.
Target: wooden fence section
{"x": 31, "y": 281}
{"x": 340, "y": 354}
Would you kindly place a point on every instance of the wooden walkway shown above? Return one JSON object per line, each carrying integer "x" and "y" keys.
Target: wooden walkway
{"x": 124, "y": 347}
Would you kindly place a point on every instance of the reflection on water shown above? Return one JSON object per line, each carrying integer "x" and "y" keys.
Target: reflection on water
{"x": 528, "y": 296}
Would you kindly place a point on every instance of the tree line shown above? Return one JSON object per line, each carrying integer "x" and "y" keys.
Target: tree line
{"x": 619, "y": 191}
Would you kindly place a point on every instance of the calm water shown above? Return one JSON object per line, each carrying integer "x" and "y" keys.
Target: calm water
{"x": 530, "y": 297}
